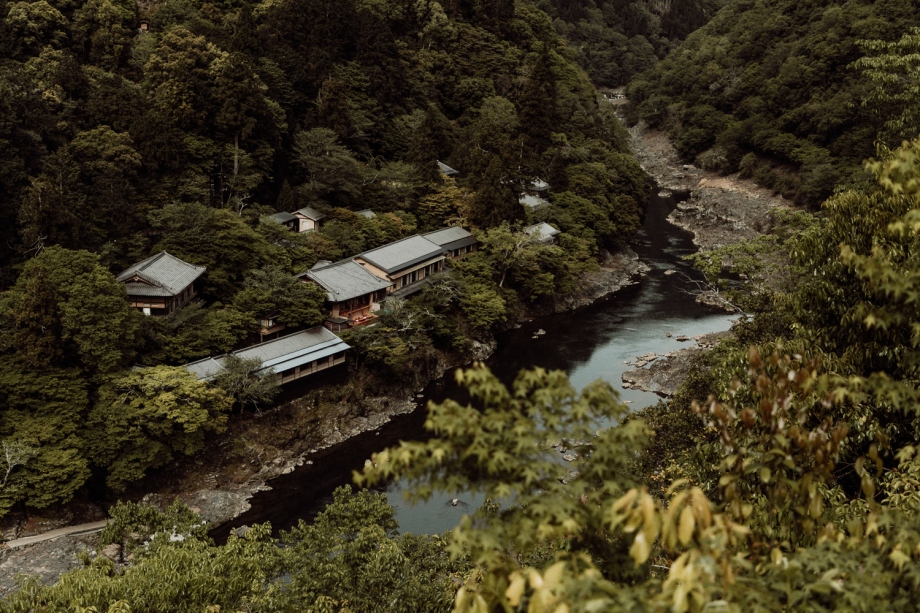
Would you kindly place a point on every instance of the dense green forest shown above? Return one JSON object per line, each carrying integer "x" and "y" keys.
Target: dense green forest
{"x": 614, "y": 40}
{"x": 783, "y": 476}
{"x": 774, "y": 89}
{"x": 127, "y": 129}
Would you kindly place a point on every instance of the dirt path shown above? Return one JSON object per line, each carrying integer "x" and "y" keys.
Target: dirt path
{"x": 89, "y": 528}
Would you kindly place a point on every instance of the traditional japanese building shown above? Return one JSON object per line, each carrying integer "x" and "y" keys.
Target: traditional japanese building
{"x": 404, "y": 262}
{"x": 288, "y": 358}
{"x": 160, "y": 284}
{"x": 353, "y": 293}
{"x": 543, "y": 232}
{"x": 308, "y": 219}
{"x": 454, "y": 241}
{"x": 288, "y": 220}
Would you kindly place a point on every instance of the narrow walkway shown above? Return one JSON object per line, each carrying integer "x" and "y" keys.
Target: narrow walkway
{"x": 95, "y": 526}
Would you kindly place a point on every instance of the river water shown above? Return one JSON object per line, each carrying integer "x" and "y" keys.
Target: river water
{"x": 589, "y": 344}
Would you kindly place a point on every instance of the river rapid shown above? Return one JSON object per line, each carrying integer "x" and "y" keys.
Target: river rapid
{"x": 588, "y": 344}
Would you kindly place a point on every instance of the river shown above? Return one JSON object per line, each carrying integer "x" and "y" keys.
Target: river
{"x": 588, "y": 344}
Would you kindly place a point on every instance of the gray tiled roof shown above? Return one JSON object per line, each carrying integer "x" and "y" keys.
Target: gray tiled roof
{"x": 283, "y": 217}
{"x": 538, "y": 185}
{"x": 366, "y": 213}
{"x": 451, "y": 238}
{"x": 532, "y": 201}
{"x": 402, "y": 254}
{"x": 279, "y": 354}
{"x": 310, "y": 213}
{"x": 294, "y": 350}
{"x": 541, "y": 231}
{"x": 166, "y": 275}
{"x": 447, "y": 170}
{"x": 346, "y": 280}
{"x": 207, "y": 368}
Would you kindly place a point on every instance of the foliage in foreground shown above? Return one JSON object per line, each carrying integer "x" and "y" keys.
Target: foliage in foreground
{"x": 350, "y": 559}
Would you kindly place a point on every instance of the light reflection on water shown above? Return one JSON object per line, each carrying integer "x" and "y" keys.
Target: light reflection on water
{"x": 590, "y": 344}
{"x": 594, "y": 343}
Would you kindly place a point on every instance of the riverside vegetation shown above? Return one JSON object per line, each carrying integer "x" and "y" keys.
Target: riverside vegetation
{"x": 118, "y": 143}
{"x": 783, "y": 475}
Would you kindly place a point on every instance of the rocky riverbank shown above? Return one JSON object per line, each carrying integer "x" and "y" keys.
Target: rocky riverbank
{"x": 667, "y": 372}
{"x": 617, "y": 270}
{"x": 720, "y": 209}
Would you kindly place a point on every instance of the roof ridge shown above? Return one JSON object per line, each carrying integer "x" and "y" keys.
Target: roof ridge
{"x": 397, "y": 242}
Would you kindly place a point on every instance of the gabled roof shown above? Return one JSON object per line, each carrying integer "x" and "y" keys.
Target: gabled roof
{"x": 538, "y": 185}
{"x": 160, "y": 275}
{"x": 451, "y": 238}
{"x": 541, "y": 231}
{"x": 208, "y": 368}
{"x": 447, "y": 170}
{"x": 283, "y": 217}
{"x": 366, "y": 213}
{"x": 345, "y": 280}
{"x": 532, "y": 201}
{"x": 310, "y": 213}
{"x": 279, "y": 354}
{"x": 402, "y": 254}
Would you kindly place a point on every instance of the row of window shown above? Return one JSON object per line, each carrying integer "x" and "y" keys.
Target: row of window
{"x": 456, "y": 253}
{"x": 421, "y": 273}
{"x": 314, "y": 365}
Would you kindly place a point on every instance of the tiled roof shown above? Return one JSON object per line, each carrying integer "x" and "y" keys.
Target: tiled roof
{"x": 207, "y": 368}
{"x": 541, "y": 231}
{"x": 366, "y": 213}
{"x": 310, "y": 213}
{"x": 447, "y": 170}
{"x": 279, "y": 354}
{"x": 532, "y": 201}
{"x": 165, "y": 275}
{"x": 402, "y": 254}
{"x": 451, "y": 238}
{"x": 346, "y": 280}
{"x": 283, "y": 217}
{"x": 538, "y": 185}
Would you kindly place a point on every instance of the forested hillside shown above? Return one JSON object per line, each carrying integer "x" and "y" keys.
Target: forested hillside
{"x": 128, "y": 129}
{"x": 252, "y": 108}
{"x": 770, "y": 88}
{"x": 784, "y": 474}
{"x": 614, "y": 40}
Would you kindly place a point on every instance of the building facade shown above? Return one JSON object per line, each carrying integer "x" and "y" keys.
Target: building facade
{"x": 353, "y": 292}
{"x": 404, "y": 262}
{"x": 161, "y": 284}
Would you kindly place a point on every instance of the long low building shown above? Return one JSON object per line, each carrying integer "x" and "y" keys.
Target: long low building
{"x": 404, "y": 262}
{"x": 288, "y": 358}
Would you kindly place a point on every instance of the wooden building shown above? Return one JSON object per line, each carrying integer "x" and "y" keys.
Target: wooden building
{"x": 353, "y": 293}
{"x": 543, "y": 233}
{"x": 288, "y": 220}
{"x": 405, "y": 262}
{"x": 288, "y": 358}
{"x": 160, "y": 284}
{"x": 308, "y": 219}
{"x": 455, "y": 242}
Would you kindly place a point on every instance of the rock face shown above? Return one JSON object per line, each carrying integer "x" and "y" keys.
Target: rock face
{"x": 725, "y": 210}
{"x": 46, "y": 560}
